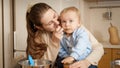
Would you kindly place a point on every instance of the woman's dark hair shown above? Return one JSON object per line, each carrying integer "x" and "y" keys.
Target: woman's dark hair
{"x": 33, "y": 18}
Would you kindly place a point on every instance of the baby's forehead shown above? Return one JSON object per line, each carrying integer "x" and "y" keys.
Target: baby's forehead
{"x": 69, "y": 13}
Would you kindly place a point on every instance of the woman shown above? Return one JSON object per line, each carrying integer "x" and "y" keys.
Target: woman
{"x": 44, "y": 34}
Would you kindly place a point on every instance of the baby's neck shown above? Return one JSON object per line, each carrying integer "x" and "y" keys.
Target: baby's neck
{"x": 68, "y": 35}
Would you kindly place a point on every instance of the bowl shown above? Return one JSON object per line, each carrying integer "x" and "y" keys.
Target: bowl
{"x": 38, "y": 63}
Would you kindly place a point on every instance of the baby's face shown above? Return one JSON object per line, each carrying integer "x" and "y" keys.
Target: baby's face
{"x": 70, "y": 21}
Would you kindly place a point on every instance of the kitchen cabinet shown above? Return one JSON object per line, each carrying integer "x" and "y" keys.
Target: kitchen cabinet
{"x": 110, "y": 54}
{"x": 106, "y": 59}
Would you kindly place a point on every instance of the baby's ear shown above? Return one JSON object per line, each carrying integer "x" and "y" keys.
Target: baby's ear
{"x": 39, "y": 28}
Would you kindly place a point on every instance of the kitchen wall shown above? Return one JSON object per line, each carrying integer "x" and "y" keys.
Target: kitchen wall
{"x": 98, "y": 25}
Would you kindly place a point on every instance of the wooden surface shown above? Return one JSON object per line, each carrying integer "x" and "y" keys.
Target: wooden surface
{"x": 110, "y": 54}
{"x": 106, "y": 59}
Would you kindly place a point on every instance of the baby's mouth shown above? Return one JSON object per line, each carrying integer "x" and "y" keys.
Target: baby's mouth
{"x": 66, "y": 29}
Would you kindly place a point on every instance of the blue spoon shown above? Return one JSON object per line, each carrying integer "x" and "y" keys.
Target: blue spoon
{"x": 31, "y": 61}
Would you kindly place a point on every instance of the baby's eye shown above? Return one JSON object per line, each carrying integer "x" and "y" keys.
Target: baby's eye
{"x": 70, "y": 20}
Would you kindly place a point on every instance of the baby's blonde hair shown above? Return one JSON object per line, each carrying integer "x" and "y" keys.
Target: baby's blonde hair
{"x": 70, "y": 9}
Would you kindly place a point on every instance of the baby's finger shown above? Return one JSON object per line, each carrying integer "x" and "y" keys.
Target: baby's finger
{"x": 57, "y": 29}
{"x": 61, "y": 31}
{"x": 63, "y": 61}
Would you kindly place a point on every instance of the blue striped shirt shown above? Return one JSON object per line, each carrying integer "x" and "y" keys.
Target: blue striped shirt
{"x": 77, "y": 45}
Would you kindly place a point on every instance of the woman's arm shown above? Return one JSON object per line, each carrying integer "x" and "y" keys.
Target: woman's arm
{"x": 97, "y": 50}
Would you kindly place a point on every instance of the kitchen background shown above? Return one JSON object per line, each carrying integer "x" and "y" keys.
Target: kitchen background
{"x": 13, "y": 25}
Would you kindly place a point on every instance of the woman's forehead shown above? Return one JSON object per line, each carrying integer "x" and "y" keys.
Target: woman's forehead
{"x": 48, "y": 16}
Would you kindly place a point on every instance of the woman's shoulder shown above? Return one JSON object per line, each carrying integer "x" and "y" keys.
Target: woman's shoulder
{"x": 82, "y": 26}
{"x": 81, "y": 29}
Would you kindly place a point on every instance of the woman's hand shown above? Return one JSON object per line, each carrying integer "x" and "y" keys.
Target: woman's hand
{"x": 57, "y": 34}
{"x": 80, "y": 64}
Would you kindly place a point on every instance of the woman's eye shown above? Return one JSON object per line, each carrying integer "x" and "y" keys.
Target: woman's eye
{"x": 63, "y": 22}
{"x": 54, "y": 16}
{"x": 50, "y": 23}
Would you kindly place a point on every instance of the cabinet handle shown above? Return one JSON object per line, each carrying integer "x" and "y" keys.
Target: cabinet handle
{"x": 118, "y": 53}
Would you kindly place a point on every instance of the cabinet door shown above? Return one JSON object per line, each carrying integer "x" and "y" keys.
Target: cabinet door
{"x": 106, "y": 59}
{"x": 115, "y": 54}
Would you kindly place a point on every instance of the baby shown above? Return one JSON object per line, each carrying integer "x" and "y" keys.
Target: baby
{"x": 75, "y": 44}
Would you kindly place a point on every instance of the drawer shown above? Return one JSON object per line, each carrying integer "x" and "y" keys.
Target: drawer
{"x": 115, "y": 54}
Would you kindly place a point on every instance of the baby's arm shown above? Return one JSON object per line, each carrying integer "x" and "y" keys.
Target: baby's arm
{"x": 82, "y": 46}
{"x": 62, "y": 51}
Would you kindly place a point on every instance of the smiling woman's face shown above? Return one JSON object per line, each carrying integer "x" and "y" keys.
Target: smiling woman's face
{"x": 50, "y": 20}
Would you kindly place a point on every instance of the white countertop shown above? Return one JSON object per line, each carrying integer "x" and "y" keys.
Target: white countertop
{"x": 108, "y": 45}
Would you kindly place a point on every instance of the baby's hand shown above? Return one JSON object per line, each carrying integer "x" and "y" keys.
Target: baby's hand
{"x": 57, "y": 34}
{"x": 68, "y": 60}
